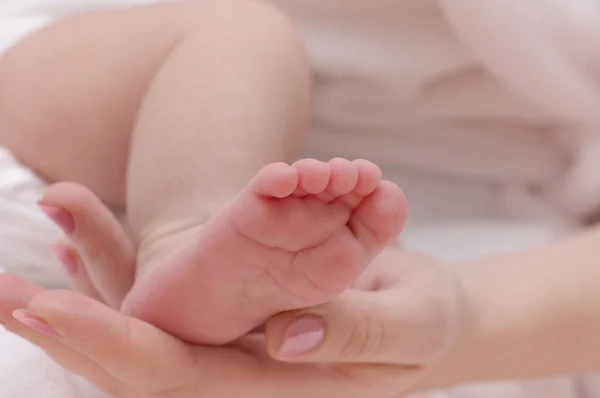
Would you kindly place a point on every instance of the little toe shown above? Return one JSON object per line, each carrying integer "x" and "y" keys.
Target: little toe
{"x": 313, "y": 176}
{"x": 380, "y": 217}
{"x": 276, "y": 180}
{"x": 344, "y": 177}
{"x": 369, "y": 177}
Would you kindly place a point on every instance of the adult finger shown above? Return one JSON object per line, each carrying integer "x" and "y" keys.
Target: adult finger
{"x": 387, "y": 327}
{"x": 105, "y": 247}
{"x": 15, "y": 294}
{"x": 401, "y": 311}
{"x": 130, "y": 350}
{"x": 79, "y": 280}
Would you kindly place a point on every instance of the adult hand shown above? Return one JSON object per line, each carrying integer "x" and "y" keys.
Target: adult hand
{"x": 379, "y": 340}
{"x": 405, "y": 316}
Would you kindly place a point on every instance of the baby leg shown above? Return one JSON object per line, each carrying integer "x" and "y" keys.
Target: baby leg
{"x": 202, "y": 86}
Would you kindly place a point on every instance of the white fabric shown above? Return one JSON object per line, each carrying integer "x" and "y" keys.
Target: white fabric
{"x": 484, "y": 111}
{"x": 24, "y": 230}
{"x": 25, "y": 371}
{"x": 18, "y": 18}
{"x": 499, "y": 94}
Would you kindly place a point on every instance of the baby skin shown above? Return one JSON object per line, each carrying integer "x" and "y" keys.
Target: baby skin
{"x": 172, "y": 121}
{"x": 296, "y": 236}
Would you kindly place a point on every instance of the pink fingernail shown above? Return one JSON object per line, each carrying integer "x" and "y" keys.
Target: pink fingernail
{"x": 306, "y": 333}
{"x": 66, "y": 258}
{"x": 27, "y": 318}
{"x": 61, "y": 217}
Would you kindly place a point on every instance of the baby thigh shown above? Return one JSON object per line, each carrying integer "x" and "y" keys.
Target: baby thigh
{"x": 70, "y": 93}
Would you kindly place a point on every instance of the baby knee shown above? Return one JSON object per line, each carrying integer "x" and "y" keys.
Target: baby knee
{"x": 250, "y": 24}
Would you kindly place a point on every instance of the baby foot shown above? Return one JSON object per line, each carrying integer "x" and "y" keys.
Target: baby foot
{"x": 296, "y": 236}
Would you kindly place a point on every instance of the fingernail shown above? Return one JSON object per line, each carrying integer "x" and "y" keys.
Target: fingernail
{"x": 66, "y": 258}
{"x": 61, "y": 217}
{"x": 306, "y": 333}
{"x": 36, "y": 323}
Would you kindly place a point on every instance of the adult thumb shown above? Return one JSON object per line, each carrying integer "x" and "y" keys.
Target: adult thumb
{"x": 385, "y": 327}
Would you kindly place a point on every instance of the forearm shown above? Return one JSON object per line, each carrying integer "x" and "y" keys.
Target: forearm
{"x": 531, "y": 314}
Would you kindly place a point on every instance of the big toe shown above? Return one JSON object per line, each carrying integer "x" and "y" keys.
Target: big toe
{"x": 106, "y": 250}
{"x": 380, "y": 217}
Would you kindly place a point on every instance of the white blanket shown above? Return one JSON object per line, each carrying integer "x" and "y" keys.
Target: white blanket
{"x": 25, "y": 371}
{"x": 20, "y": 17}
{"x": 546, "y": 52}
